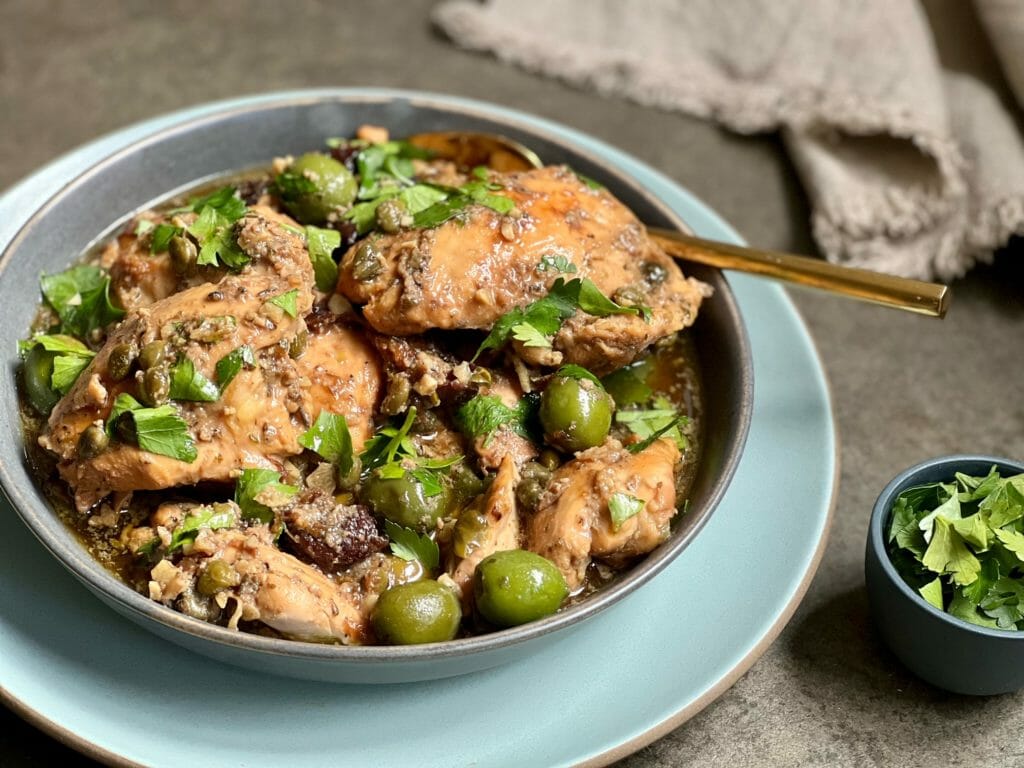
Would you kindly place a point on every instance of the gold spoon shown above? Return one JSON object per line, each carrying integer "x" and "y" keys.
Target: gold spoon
{"x": 502, "y": 154}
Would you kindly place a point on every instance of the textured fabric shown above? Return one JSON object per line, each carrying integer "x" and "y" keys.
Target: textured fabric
{"x": 910, "y": 170}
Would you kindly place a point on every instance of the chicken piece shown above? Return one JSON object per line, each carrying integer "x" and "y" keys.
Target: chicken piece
{"x": 137, "y": 277}
{"x": 468, "y": 272}
{"x": 492, "y": 449}
{"x": 340, "y": 373}
{"x": 258, "y": 418}
{"x": 273, "y": 587}
{"x": 573, "y": 523}
{"x": 332, "y": 536}
{"x": 482, "y": 530}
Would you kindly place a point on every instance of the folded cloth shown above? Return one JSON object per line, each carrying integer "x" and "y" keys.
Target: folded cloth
{"x": 909, "y": 169}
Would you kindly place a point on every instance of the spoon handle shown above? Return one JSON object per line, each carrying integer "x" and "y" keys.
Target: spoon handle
{"x": 890, "y": 291}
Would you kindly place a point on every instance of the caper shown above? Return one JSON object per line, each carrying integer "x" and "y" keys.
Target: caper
{"x": 576, "y": 413}
{"x": 298, "y": 344}
{"x": 366, "y": 261}
{"x": 155, "y": 386}
{"x": 405, "y": 500}
{"x": 153, "y": 354}
{"x": 389, "y": 216}
{"x": 333, "y": 187}
{"x": 217, "y": 575}
{"x": 397, "y": 397}
{"x": 535, "y": 478}
{"x": 481, "y": 377}
{"x": 183, "y": 254}
{"x": 92, "y": 442}
{"x": 419, "y": 612}
{"x": 120, "y": 362}
{"x": 37, "y": 373}
{"x": 465, "y": 483}
{"x": 515, "y": 586}
{"x": 549, "y": 459}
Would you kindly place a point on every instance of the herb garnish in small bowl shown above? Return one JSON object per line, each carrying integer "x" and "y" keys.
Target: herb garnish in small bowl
{"x": 945, "y": 572}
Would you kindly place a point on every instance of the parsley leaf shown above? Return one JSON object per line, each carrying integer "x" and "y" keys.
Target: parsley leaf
{"x": 71, "y": 357}
{"x": 213, "y": 517}
{"x": 622, "y": 506}
{"x": 321, "y": 244}
{"x": 410, "y": 545}
{"x": 161, "y": 237}
{"x": 329, "y": 437}
{"x": 213, "y": 229}
{"x": 189, "y": 384}
{"x": 961, "y": 545}
{"x": 258, "y": 490}
{"x": 649, "y": 424}
{"x": 484, "y": 415}
{"x": 383, "y": 447}
{"x": 157, "y": 430}
{"x": 66, "y": 370}
{"x": 288, "y": 301}
{"x": 232, "y": 363}
{"x": 540, "y": 320}
{"x": 81, "y": 298}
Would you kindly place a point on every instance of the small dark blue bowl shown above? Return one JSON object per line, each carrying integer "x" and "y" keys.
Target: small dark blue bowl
{"x": 945, "y": 651}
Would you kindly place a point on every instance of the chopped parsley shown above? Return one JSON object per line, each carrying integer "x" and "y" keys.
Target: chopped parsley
{"x": 622, "y": 506}
{"x": 556, "y": 263}
{"x": 189, "y": 384}
{"x": 321, "y": 244}
{"x": 71, "y": 357}
{"x": 961, "y": 545}
{"x": 287, "y": 301}
{"x": 257, "y": 491}
{"x": 410, "y": 545}
{"x": 329, "y": 437}
{"x": 213, "y": 517}
{"x": 392, "y": 453}
{"x": 484, "y": 415}
{"x": 537, "y": 322}
{"x": 213, "y": 229}
{"x": 158, "y": 430}
{"x": 649, "y": 424}
{"x": 81, "y": 298}
{"x": 232, "y": 363}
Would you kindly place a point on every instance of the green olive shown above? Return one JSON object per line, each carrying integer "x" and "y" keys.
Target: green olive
{"x": 576, "y": 413}
{"x": 183, "y": 254}
{"x": 418, "y": 612}
{"x": 155, "y": 387}
{"x": 92, "y": 442}
{"x": 120, "y": 362}
{"x": 366, "y": 261}
{"x": 217, "y": 575}
{"x": 153, "y": 354}
{"x": 389, "y": 216}
{"x": 404, "y": 500}
{"x": 333, "y": 188}
{"x": 38, "y": 373}
{"x": 515, "y": 586}
{"x": 465, "y": 483}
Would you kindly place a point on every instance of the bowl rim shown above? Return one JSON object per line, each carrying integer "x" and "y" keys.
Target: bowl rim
{"x": 74, "y": 558}
{"x": 881, "y": 513}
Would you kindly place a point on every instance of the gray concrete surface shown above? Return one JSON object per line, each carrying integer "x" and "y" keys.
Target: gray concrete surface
{"x": 827, "y": 693}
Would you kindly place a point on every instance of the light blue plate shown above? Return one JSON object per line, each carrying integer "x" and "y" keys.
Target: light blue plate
{"x": 629, "y": 675}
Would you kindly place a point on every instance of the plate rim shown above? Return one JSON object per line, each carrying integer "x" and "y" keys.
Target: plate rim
{"x": 654, "y": 731}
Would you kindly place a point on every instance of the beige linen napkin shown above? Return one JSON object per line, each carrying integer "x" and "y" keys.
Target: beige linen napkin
{"x": 910, "y": 170}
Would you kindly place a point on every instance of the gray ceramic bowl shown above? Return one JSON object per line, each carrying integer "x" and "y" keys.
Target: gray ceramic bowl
{"x": 943, "y": 650}
{"x": 232, "y": 139}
